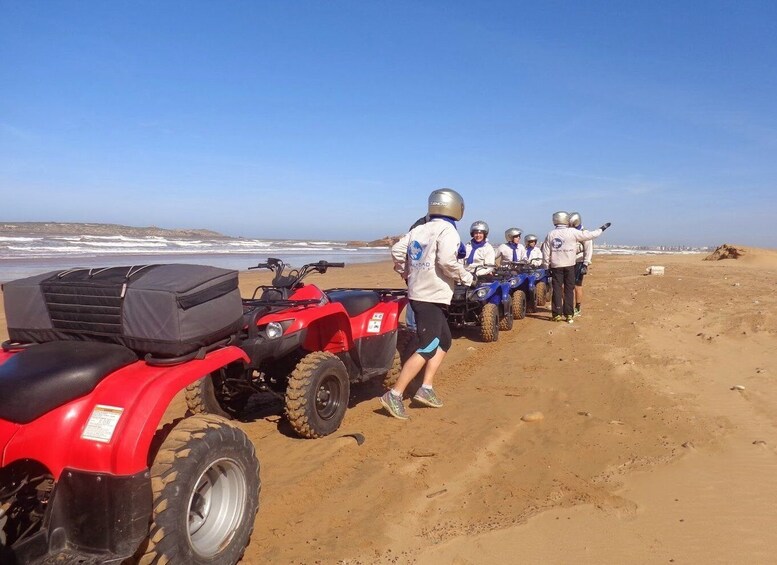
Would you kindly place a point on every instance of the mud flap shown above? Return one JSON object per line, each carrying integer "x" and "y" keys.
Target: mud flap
{"x": 93, "y": 517}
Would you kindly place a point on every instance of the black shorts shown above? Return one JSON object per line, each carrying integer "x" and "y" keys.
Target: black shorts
{"x": 578, "y": 274}
{"x": 431, "y": 327}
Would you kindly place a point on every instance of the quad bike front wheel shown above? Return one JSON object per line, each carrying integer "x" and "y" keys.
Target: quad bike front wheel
{"x": 506, "y": 320}
{"x": 541, "y": 294}
{"x": 317, "y": 395}
{"x": 407, "y": 343}
{"x": 548, "y": 292}
{"x": 489, "y": 322}
{"x": 206, "y": 396}
{"x": 396, "y": 367}
{"x": 519, "y": 305}
{"x": 205, "y": 483}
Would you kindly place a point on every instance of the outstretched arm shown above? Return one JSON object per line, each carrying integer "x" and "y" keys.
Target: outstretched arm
{"x": 585, "y": 235}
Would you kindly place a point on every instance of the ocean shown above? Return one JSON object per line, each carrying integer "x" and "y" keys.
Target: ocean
{"x": 24, "y": 256}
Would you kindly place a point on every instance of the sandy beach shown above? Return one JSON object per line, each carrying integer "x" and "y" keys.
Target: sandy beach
{"x": 658, "y": 442}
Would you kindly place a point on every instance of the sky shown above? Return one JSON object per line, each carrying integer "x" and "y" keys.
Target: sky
{"x": 336, "y": 119}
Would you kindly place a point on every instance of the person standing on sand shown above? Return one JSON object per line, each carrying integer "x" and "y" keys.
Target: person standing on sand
{"x": 583, "y": 257}
{"x": 558, "y": 253}
{"x": 409, "y": 314}
{"x": 426, "y": 257}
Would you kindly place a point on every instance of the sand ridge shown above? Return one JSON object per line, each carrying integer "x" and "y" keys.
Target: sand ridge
{"x": 646, "y": 453}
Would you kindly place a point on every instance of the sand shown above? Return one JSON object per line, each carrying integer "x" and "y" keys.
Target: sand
{"x": 646, "y": 451}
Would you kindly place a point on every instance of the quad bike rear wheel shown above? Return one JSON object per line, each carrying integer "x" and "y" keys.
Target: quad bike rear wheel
{"x": 506, "y": 321}
{"x": 317, "y": 395}
{"x": 407, "y": 343}
{"x": 205, "y": 484}
{"x": 540, "y": 294}
{"x": 489, "y": 322}
{"x": 206, "y": 396}
{"x": 396, "y": 367}
{"x": 519, "y": 305}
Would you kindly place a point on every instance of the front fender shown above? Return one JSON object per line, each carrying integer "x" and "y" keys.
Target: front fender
{"x": 505, "y": 288}
{"x": 110, "y": 430}
{"x": 328, "y": 330}
{"x": 492, "y": 295}
{"x": 517, "y": 280}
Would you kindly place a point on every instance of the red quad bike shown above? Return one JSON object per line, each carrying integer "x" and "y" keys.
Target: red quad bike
{"x": 87, "y": 474}
{"x": 306, "y": 346}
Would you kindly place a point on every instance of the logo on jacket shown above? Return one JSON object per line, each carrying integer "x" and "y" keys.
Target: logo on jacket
{"x": 557, "y": 243}
{"x": 415, "y": 250}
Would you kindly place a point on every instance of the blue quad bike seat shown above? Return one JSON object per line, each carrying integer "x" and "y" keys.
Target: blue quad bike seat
{"x": 43, "y": 377}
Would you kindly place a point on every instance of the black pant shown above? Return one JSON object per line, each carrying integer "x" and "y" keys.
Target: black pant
{"x": 563, "y": 291}
{"x": 432, "y": 328}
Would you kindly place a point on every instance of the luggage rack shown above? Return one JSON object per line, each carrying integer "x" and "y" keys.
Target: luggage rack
{"x": 280, "y": 303}
{"x": 380, "y": 291}
{"x": 150, "y": 359}
{"x": 11, "y": 345}
{"x": 197, "y": 354}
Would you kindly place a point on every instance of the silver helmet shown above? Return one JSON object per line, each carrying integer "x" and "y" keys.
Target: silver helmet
{"x": 480, "y": 225}
{"x": 575, "y": 220}
{"x": 529, "y": 238}
{"x": 560, "y": 218}
{"x": 446, "y": 202}
{"x": 511, "y": 233}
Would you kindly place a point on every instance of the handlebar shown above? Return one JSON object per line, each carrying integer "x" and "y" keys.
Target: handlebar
{"x": 294, "y": 276}
{"x": 271, "y": 264}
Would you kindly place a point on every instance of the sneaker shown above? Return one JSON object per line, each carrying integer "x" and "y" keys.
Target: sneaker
{"x": 570, "y": 319}
{"x": 578, "y": 312}
{"x": 394, "y": 405}
{"x": 428, "y": 397}
{"x": 557, "y": 318}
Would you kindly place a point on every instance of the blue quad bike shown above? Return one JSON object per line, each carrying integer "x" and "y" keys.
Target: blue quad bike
{"x": 487, "y": 305}
{"x": 530, "y": 287}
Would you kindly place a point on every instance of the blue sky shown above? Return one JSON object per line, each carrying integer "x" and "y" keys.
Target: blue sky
{"x": 336, "y": 119}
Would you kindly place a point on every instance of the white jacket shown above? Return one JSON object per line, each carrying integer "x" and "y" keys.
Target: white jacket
{"x": 534, "y": 255}
{"x": 505, "y": 253}
{"x": 426, "y": 257}
{"x": 483, "y": 256}
{"x": 560, "y": 246}
{"x": 585, "y": 251}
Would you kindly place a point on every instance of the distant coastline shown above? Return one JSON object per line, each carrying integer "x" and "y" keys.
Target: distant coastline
{"x": 44, "y": 229}
{"x": 30, "y": 248}
{"x": 75, "y": 228}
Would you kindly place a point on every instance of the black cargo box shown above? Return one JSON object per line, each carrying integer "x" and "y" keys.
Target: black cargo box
{"x": 164, "y": 310}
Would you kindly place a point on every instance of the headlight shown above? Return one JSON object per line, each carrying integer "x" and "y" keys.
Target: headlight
{"x": 513, "y": 283}
{"x": 481, "y": 292}
{"x": 274, "y": 330}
